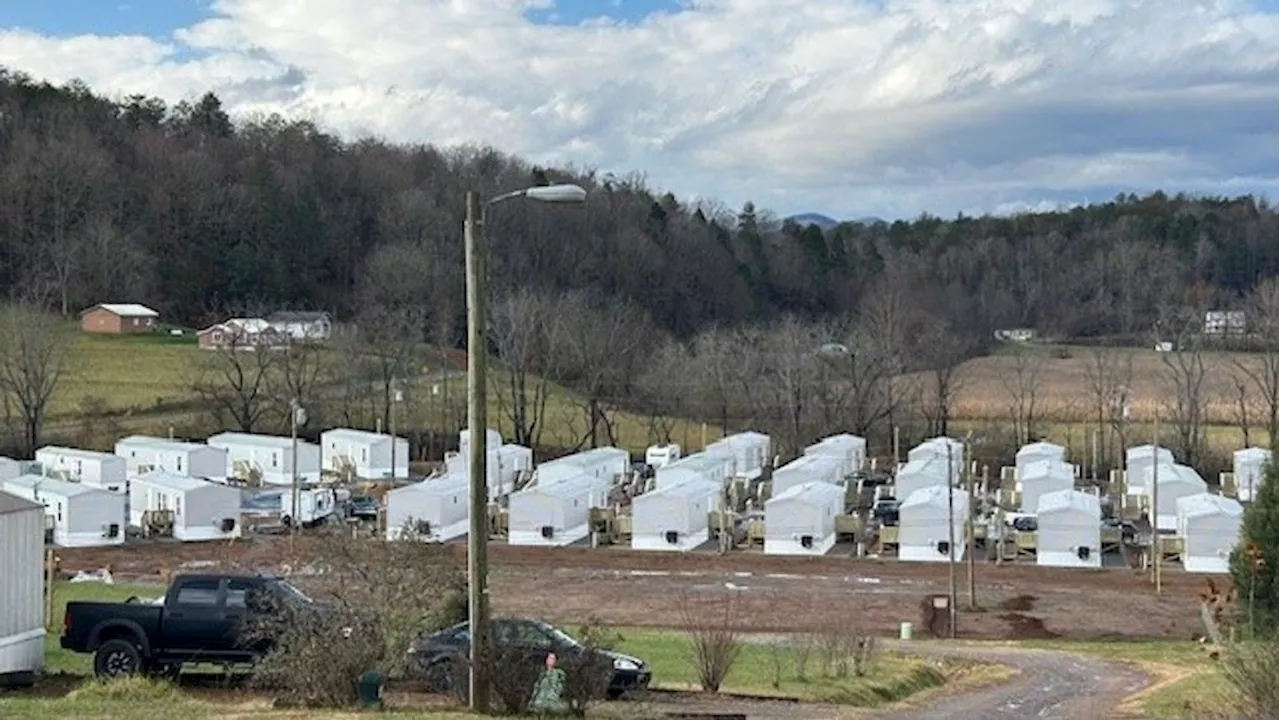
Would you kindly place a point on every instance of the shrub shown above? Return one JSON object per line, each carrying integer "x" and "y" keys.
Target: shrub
{"x": 712, "y": 628}
{"x": 1252, "y": 668}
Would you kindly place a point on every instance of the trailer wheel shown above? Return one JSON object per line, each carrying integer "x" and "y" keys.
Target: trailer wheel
{"x": 117, "y": 658}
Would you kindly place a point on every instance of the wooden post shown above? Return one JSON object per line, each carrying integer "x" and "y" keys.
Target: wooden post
{"x": 50, "y": 577}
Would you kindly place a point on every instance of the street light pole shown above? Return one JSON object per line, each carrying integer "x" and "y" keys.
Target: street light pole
{"x": 951, "y": 544}
{"x": 477, "y": 426}
{"x": 478, "y": 536}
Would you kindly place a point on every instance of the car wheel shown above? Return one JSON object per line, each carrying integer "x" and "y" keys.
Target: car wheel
{"x": 117, "y": 658}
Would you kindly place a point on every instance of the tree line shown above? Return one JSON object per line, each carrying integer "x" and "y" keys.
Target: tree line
{"x": 633, "y": 301}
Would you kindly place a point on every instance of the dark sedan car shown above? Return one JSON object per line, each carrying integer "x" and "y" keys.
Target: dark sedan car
{"x": 431, "y": 655}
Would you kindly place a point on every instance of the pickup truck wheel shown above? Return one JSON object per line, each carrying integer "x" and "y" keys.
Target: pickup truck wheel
{"x": 117, "y": 658}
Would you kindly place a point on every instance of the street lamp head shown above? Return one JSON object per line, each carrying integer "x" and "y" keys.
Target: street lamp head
{"x": 562, "y": 194}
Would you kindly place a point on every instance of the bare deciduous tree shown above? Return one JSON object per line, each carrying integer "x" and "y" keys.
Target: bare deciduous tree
{"x": 943, "y": 351}
{"x": 1022, "y": 383}
{"x": 716, "y": 373}
{"x": 300, "y": 373}
{"x": 234, "y": 380}
{"x": 713, "y": 629}
{"x": 786, "y": 381}
{"x": 524, "y": 327}
{"x": 33, "y": 357}
{"x": 664, "y": 393}
{"x": 390, "y": 339}
{"x": 1108, "y": 374}
{"x": 1261, "y": 368}
{"x": 1184, "y": 371}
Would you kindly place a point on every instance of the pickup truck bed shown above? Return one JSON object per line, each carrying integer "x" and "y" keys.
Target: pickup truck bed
{"x": 200, "y": 621}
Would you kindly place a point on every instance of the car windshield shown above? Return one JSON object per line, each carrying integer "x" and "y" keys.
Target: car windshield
{"x": 559, "y": 635}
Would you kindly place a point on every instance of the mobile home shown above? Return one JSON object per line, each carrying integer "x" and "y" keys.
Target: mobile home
{"x": 1038, "y": 452}
{"x": 1210, "y": 529}
{"x": 827, "y": 469}
{"x": 1174, "y": 481}
{"x": 201, "y": 510}
{"x": 1069, "y": 529}
{"x": 1137, "y": 464}
{"x": 942, "y": 448}
{"x": 144, "y": 454}
{"x": 801, "y": 520}
{"x": 750, "y": 450}
{"x": 1247, "y": 466}
{"x": 364, "y": 455}
{"x": 923, "y": 524}
{"x": 268, "y": 459}
{"x": 602, "y": 462}
{"x": 80, "y": 515}
{"x": 1041, "y": 477}
{"x": 674, "y": 517}
{"x": 106, "y": 471}
{"x": 851, "y": 448}
{"x": 435, "y": 509}
{"x": 699, "y": 467}
{"x": 556, "y": 513}
{"x": 22, "y": 592}
{"x": 925, "y": 472}
{"x": 9, "y": 468}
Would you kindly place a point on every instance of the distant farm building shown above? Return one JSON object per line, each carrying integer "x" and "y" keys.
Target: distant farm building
{"x": 302, "y": 326}
{"x": 241, "y": 334}
{"x": 1225, "y": 322}
{"x": 119, "y": 319}
{"x": 1016, "y": 335}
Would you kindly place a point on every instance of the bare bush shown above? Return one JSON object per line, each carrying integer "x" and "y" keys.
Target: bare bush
{"x": 373, "y": 599}
{"x": 712, "y": 627}
{"x": 1252, "y": 668}
{"x": 801, "y": 646}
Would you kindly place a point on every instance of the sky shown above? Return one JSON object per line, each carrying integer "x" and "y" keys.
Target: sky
{"x": 850, "y": 108}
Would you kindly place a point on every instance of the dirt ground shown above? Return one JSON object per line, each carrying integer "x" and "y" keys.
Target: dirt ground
{"x": 774, "y": 594}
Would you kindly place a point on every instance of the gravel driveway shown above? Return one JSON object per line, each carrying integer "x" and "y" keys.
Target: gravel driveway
{"x": 1052, "y": 685}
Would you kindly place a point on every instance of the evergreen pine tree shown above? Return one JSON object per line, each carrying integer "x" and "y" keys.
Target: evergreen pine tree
{"x": 1254, "y": 563}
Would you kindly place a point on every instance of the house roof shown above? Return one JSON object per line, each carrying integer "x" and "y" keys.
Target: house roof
{"x": 1042, "y": 448}
{"x": 353, "y": 435}
{"x": 842, "y": 441}
{"x": 817, "y": 490}
{"x": 1048, "y": 469}
{"x": 1069, "y": 499}
{"x": 148, "y": 442}
{"x": 276, "y": 442}
{"x": 936, "y": 495}
{"x": 698, "y": 462}
{"x": 53, "y": 486}
{"x": 124, "y": 309}
{"x": 1203, "y": 504}
{"x": 812, "y": 465}
{"x": 13, "y": 503}
{"x": 686, "y": 489}
{"x": 173, "y": 481}
{"x": 297, "y": 316}
{"x": 249, "y": 325}
{"x": 75, "y": 452}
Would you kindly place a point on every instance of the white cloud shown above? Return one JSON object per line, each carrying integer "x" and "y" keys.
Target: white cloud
{"x": 851, "y": 107}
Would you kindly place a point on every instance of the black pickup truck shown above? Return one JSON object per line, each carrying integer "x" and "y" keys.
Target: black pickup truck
{"x": 200, "y": 621}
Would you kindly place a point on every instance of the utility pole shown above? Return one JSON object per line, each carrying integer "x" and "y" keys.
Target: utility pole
{"x": 969, "y": 549}
{"x": 896, "y": 447}
{"x": 396, "y": 396}
{"x": 297, "y": 416}
{"x": 951, "y": 544}
{"x": 477, "y": 423}
{"x": 1157, "y": 547}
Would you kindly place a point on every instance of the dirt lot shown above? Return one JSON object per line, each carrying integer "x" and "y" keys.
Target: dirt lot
{"x": 631, "y": 588}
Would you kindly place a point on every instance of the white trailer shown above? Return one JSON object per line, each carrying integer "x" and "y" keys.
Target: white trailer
{"x": 1173, "y": 481}
{"x": 939, "y": 447}
{"x": 143, "y": 454}
{"x": 492, "y": 440}
{"x": 851, "y": 448}
{"x": 1210, "y": 529}
{"x": 923, "y": 525}
{"x": 80, "y": 515}
{"x": 364, "y": 455}
{"x": 268, "y": 459}
{"x": 658, "y": 456}
{"x": 607, "y": 462}
{"x": 699, "y": 467}
{"x": 1247, "y": 466}
{"x": 436, "y": 509}
{"x": 503, "y": 464}
{"x": 822, "y": 468}
{"x": 22, "y": 592}
{"x": 750, "y": 450}
{"x": 1138, "y": 461}
{"x": 674, "y": 517}
{"x": 316, "y": 504}
{"x": 9, "y": 468}
{"x": 1037, "y": 452}
{"x": 556, "y": 513}
{"x": 105, "y": 471}
{"x": 802, "y": 519}
{"x": 1069, "y": 529}
{"x": 202, "y": 510}
{"x": 1041, "y": 477}
{"x": 924, "y": 472}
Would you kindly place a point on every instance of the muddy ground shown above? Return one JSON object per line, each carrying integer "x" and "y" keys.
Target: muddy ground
{"x": 631, "y": 588}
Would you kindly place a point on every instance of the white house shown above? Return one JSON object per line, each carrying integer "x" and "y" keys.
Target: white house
{"x": 809, "y": 468}
{"x": 302, "y": 326}
{"x": 363, "y": 454}
{"x": 850, "y": 447}
{"x": 601, "y": 462}
{"x": 493, "y": 440}
{"x": 1247, "y": 466}
{"x": 750, "y": 451}
{"x": 268, "y": 458}
{"x": 436, "y": 509}
{"x": 658, "y": 456}
{"x": 503, "y": 464}
{"x": 1175, "y": 481}
{"x": 1040, "y": 477}
{"x": 674, "y": 517}
{"x": 699, "y": 467}
{"x": 1137, "y": 462}
{"x": 82, "y": 515}
{"x": 556, "y": 513}
{"x": 1069, "y": 529}
{"x": 106, "y": 471}
{"x": 924, "y": 472}
{"x": 940, "y": 448}
{"x": 1210, "y": 529}
{"x": 923, "y": 521}
{"x": 143, "y": 454}
{"x": 201, "y": 510}
{"x": 9, "y": 468}
{"x": 22, "y": 593}
{"x": 801, "y": 520}
{"x": 1037, "y": 452}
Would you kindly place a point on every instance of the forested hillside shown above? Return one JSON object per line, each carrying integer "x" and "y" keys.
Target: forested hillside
{"x": 178, "y": 208}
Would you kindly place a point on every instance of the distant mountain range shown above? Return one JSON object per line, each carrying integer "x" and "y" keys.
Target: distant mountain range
{"x": 826, "y": 223}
